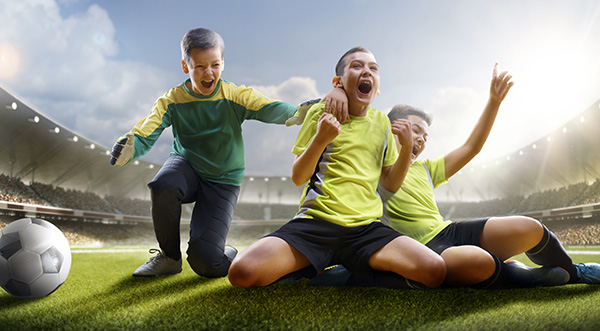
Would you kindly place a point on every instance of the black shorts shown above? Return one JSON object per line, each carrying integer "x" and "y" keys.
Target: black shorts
{"x": 457, "y": 234}
{"x": 325, "y": 244}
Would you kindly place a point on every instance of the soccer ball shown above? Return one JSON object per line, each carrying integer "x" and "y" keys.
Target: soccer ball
{"x": 35, "y": 258}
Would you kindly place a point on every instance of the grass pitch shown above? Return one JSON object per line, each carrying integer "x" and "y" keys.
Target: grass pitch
{"x": 100, "y": 294}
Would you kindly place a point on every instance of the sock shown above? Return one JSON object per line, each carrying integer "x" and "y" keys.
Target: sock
{"x": 384, "y": 279}
{"x": 503, "y": 277}
{"x": 550, "y": 252}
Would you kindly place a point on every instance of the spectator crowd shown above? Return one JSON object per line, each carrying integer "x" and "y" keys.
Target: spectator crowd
{"x": 570, "y": 233}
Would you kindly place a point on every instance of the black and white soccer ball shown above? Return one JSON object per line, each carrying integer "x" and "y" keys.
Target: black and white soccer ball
{"x": 35, "y": 258}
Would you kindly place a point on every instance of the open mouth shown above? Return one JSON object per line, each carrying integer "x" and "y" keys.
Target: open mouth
{"x": 207, "y": 83}
{"x": 415, "y": 151}
{"x": 365, "y": 87}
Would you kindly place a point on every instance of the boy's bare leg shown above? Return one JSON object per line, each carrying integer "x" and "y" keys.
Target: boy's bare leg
{"x": 410, "y": 259}
{"x": 510, "y": 236}
{"x": 467, "y": 265}
{"x": 264, "y": 262}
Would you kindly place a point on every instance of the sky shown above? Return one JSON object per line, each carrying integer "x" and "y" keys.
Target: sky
{"x": 97, "y": 67}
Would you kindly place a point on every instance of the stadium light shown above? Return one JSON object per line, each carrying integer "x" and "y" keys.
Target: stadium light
{"x": 582, "y": 119}
{"x": 136, "y": 162}
{"x": 266, "y": 179}
{"x": 534, "y": 146}
{"x": 549, "y": 139}
{"x": 251, "y": 179}
{"x": 12, "y": 106}
{"x": 74, "y": 139}
{"x": 56, "y": 130}
{"x": 35, "y": 119}
{"x": 520, "y": 152}
{"x": 283, "y": 179}
{"x": 564, "y": 129}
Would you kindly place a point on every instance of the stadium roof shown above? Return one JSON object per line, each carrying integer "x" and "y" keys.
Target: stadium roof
{"x": 35, "y": 148}
{"x": 568, "y": 155}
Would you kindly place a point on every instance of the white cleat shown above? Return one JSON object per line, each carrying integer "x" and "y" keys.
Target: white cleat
{"x": 158, "y": 265}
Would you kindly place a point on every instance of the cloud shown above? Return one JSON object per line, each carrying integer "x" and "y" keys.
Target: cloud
{"x": 294, "y": 90}
{"x": 455, "y": 111}
{"x": 70, "y": 72}
{"x": 268, "y": 147}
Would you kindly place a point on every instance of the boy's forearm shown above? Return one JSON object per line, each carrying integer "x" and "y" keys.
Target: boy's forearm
{"x": 305, "y": 163}
{"x": 393, "y": 178}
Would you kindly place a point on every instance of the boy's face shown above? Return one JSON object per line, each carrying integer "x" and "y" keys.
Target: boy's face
{"x": 420, "y": 133}
{"x": 360, "y": 79}
{"x": 204, "y": 67}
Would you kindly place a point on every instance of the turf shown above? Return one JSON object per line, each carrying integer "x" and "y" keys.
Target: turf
{"x": 100, "y": 294}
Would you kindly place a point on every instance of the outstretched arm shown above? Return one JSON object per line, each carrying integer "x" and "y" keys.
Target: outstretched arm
{"x": 393, "y": 176}
{"x": 458, "y": 158}
{"x": 304, "y": 164}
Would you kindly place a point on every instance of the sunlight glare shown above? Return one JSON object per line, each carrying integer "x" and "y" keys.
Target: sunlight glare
{"x": 9, "y": 60}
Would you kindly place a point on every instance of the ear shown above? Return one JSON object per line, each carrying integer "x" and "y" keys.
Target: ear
{"x": 337, "y": 82}
{"x": 184, "y": 67}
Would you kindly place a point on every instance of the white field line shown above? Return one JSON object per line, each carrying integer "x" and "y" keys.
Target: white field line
{"x": 109, "y": 250}
{"x": 584, "y": 252}
{"x": 126, "y": 250}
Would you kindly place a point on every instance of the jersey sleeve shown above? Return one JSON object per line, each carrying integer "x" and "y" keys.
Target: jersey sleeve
{"x": 391, "y": 152}
{"x": 148, "y": 130}
{"x": 437, "y": 171}
{"x": 258, "y": 106}
{"x": 308, "y": 129}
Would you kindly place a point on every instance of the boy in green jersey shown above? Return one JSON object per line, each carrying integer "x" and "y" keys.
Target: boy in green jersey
{"x": 207, "y": 163}
{"x": 337, "y": 222}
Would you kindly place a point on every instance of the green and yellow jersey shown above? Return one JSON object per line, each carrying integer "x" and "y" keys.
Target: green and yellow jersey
{"x": 207, "y": 129}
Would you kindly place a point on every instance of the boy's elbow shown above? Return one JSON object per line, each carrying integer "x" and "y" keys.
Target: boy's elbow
{"x": 298, "y": 181}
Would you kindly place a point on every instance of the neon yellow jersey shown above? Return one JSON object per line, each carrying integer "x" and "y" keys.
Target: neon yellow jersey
{"x": 412, "y": 210}
{"x": 207, "y": 130}
{"x": 343, "y": 188}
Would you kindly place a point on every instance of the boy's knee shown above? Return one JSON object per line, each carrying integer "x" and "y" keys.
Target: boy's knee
{"x": 207, "y": 260}
{"x": 434, "y": 272}
{"x": 241, "y": 274}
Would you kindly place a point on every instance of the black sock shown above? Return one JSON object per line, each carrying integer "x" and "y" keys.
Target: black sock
{"x": 550, "y": 253}
{"x": 503, "y": 277}
{"x": 384, "y": 279}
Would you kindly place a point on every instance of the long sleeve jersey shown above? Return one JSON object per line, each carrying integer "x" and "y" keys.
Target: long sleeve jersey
{"x": 207, "y": 129}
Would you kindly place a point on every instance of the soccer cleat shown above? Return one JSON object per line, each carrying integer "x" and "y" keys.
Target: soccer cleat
{"x": 158, "y": 265}
{"x": 333, "y": 276}
{"x": 230, "y": 252}
{"x": 537, "y": 277}
{"x": 588, "y": 273}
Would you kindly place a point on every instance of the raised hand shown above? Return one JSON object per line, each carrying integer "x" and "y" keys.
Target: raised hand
{"x": 328, "y": 128}
{"x": 501, "y": 84}
{"x": 403, "y": 130}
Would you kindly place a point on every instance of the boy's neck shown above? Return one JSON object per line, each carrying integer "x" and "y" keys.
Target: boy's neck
{"x": 358, "y": 110}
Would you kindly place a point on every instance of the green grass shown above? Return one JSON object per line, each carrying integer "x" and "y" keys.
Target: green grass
{"x": 100, "y": 294}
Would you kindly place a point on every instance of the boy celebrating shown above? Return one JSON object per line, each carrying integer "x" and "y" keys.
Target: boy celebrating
{"x": 207, "y": 162}
{"x": 337, "y": 220}
{"x": 474, "y": 251}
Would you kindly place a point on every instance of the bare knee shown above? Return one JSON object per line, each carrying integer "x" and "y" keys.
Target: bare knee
{"x": 241, "y": 274}
{"x": 468, "y": 265}
{"x": 433, "y": 272}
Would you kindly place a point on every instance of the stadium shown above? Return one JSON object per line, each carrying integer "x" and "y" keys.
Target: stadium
{"x": 50, "y": 172}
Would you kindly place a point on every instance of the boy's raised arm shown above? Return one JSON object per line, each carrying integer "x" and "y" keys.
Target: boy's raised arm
{"x": 458, "y": 158}
{"x": 304, "y": 164}
{"x": 393, "y": 176}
